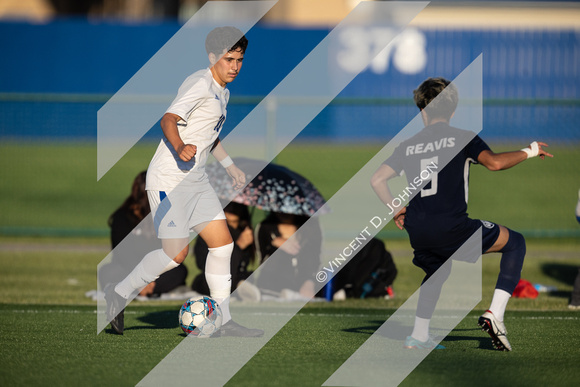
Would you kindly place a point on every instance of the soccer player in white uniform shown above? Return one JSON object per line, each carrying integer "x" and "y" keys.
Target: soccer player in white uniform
{"x": 191, "y": 126}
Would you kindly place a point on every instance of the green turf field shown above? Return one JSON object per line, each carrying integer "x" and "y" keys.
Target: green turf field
{"x": 49, "y": 326}
{"x": 53, "y": 234}
{"x": 66, "y": 352}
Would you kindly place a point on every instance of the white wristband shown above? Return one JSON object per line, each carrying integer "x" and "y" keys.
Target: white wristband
{"x": 226, "y": 162}
{"x": 534, "y": 151}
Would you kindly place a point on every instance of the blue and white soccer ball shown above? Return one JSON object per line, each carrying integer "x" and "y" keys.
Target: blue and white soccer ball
{"x": 200, "y": 316}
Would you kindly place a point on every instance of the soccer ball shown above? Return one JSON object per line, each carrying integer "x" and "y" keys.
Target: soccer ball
{"x": 200, "y": 316}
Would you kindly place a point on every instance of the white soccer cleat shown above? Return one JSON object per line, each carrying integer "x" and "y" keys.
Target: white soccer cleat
{"x": 496, "y": 329}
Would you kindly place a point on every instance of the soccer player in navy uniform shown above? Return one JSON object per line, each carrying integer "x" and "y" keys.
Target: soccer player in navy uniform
{"x": 436, "y": 218}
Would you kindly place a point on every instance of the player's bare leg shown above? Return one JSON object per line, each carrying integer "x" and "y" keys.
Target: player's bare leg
{"x": 218, "y": 275}
{"x": 157, "y": 262}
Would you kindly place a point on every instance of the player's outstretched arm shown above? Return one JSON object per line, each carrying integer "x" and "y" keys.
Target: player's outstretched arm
{"x": 499, "y": 161}
{"x": 169, "y": 125}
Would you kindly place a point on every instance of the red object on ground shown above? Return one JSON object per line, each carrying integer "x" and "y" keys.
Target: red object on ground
{"x": 525, "y": 289}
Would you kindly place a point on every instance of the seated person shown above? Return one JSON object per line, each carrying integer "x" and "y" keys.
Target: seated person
{"x": 123, "y": 222}
{"x": 298, "y": 260}
{"x": 239, "y": 224}
{"x": 370, "y": 273}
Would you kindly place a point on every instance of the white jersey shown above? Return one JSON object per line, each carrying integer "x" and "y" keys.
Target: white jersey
{"x": 201, "y": 103}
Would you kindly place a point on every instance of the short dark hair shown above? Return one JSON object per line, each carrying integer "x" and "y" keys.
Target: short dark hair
{"x": 444, "y": 106}
{"x": 221, "y": 38}
{"x": 136, "y": 204}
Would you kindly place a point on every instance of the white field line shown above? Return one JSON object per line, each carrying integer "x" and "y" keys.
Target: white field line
{"x": 327, "y": 315}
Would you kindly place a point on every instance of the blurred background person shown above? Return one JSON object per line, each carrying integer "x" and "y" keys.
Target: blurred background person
{"x": 123, "y": 222}
{"x": 299, "y": 257}
{"x": 370, "y": 273}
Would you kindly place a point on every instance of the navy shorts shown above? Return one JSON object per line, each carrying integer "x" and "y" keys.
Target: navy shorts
{"x": 431, "y": 259}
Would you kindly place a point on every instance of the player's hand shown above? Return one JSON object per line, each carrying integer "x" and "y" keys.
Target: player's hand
{"x": 246, "y": 238}
{"x": 541, "y": 152}
{"x": 237, "y": 175}
{"x": 186, "y": 151}
{"x": 400, "y": 218}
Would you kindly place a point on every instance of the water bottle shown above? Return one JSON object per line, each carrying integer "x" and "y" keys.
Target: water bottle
{"x": 544, "y": 288}
{"x": 328, "y": 294}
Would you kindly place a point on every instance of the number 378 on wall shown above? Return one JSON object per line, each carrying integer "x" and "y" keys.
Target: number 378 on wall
{"x": 359, "y": 44}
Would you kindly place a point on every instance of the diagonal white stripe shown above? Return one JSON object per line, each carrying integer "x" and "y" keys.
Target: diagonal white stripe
{"x": 141, "y": 102}
{"x": 218, "y": 360}
{"x": 124, "y": 119}
{"x": 468, "y": 115}
{"x": 382, "y": 359}
{"x": 293, "y": 118}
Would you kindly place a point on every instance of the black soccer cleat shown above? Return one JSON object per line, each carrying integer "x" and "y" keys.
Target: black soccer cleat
{"x": 233, "y": 329}
{"x": 115, "y": 309}
{"x": 496, "y": 330}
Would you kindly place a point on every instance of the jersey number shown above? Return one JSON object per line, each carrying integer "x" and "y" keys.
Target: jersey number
{"x": 425, "y": 164}
{"x": 220, "y": 123}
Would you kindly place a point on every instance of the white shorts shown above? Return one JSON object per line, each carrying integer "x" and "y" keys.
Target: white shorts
{"x": 177, "y": 213}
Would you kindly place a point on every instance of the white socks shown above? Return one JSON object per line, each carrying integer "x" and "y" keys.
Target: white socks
{"x": 421, "y": 329}
{"x": 148, "y": 270}
{"x": 499, "y": 303}
{"x": 217, "y": 274}
{"x": 498, "y": 306}
{"x": 219, "y": 278}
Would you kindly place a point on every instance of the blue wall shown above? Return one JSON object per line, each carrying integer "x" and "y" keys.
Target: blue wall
{"x": 78, "y": 57}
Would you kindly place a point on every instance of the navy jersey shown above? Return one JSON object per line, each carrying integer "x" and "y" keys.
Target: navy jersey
{"x": 437, "y": 214}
